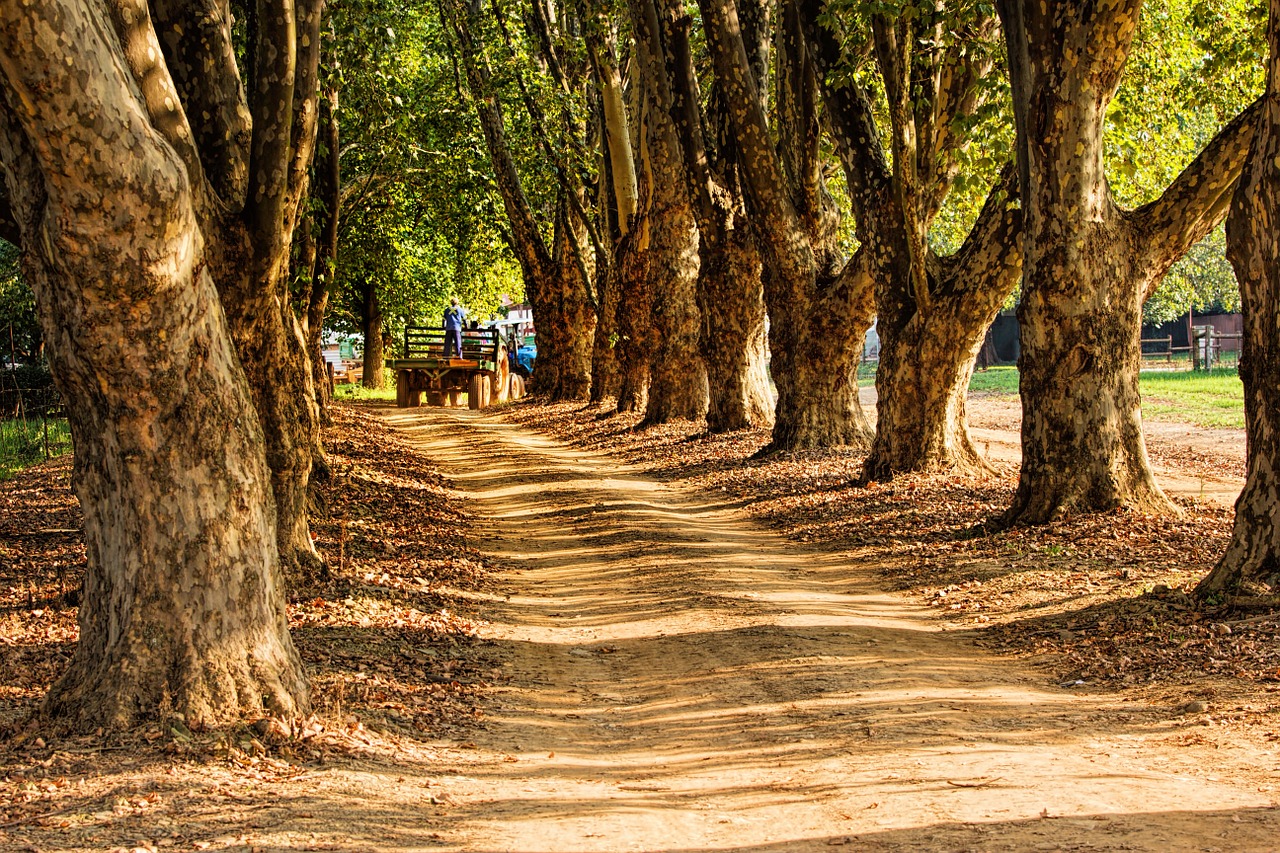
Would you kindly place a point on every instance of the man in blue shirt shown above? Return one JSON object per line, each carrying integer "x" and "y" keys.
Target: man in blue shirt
{"x": 454, "y": 316}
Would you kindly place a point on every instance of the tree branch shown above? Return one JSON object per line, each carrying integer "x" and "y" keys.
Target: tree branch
{"x": 691, "y": 127}
{"x": 144, "y": 55}
{"x": 306, "y": 103}
{"x": 1198, "y": 198}
{"x": 959, "y": 75}
{"x": 852, "y": 122}
{"x": 993, "y": 244}
{"x": 271, "y": 101}
{"x": 195, "y": 36}
{"x": 566, "y": 176}
{"x": 764, "y": 178}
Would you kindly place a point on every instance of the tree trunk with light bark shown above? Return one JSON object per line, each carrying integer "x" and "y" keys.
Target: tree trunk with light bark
{"x": 730, "y": 287}
{"x": 1252, "y": 560}
{"x": 820, "y": 306}
{"x": 183, "y": 600}
{"x": 677, "y": 379}
{"x": 1088, "y": 264}
{"x": 328, "y": 192}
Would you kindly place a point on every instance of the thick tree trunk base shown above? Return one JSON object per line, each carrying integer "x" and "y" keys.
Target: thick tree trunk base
{"x": 815, "y": 367}
{"x": 208, "y": 682}
{"x": 922, "y": 389}
{"x": 733, "y": 342}
{"x": 1046, "y": 499}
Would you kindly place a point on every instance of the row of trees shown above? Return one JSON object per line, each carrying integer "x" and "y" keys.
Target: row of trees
{"x": 186, "y": 186}
{"x": 981, "y": 148}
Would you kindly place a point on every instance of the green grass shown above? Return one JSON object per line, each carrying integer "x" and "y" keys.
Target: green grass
{"x": 1208, "y": 399}
{"x": 359, "y": 392}
{"x": 1212, "y": 399}
{"x": 996, "y": 380}
{"x": 22, "y": 444}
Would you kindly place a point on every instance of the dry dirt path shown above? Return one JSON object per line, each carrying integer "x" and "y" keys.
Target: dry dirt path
{"x": 1188, "y": 461}
{"x": 680, "y": 679}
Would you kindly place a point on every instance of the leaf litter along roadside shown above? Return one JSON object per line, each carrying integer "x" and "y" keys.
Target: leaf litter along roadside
{"x": 396, "y": 671}
{"x": 1098, "y": 600}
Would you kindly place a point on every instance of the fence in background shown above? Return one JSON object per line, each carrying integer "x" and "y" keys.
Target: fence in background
{"x": 33, "y": 423}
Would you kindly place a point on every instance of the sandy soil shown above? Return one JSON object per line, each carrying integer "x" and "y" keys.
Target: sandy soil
{"x": 1188, "y": 461}
{"x": 680, "y": 679}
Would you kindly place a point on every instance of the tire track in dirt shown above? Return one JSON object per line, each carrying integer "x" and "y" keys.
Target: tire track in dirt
{"x": 680, "y": 679}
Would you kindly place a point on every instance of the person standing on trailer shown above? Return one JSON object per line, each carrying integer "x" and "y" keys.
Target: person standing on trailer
{"x": 454, "y": 316}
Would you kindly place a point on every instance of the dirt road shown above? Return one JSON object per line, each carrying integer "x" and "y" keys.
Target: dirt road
{"x": 679, "y": 679}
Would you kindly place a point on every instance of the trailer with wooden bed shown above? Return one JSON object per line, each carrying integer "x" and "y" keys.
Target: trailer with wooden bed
{"x": 482, "y": 370}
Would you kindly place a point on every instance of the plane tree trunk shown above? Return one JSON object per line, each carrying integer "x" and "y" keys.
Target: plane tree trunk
{"x": 1252, "y": 559}
{"x": 325, "y": 252}
{"x": 819, "y": 308}
{"x": 254, "y": 159}
{"x": 927, "y": 356}
{"x": 677, "y": 376}
{"x": 730, "y": 288}
{"x": 635, "y": 318}
{"x": 1088, "y": 264}
{"x": 183, "y": 600}
{"x": 371, "y": 330}
{"x": 932, "y": 312}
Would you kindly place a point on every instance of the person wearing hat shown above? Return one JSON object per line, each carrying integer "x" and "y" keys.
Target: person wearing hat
{"x": 454, "y": 316}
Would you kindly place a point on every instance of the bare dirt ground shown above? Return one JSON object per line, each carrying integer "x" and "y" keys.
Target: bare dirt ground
{"x": 1189, "y": 461}
{"x": 685, "y": 651}
{"x": 682, "y": 679}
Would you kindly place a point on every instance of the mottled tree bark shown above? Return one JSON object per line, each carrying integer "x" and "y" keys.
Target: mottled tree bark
{"x": 183, "y": 600}
{"x": 635, "y": 318}
{"x": 677, "y": 383}
{"x": 733, "y": 338}
{"x": 1253, "y": 246}
{"x": 254, "y": 159}
{"x": 927, "y": 356}
{"x": 730, "y": 286}
{"x": 1089, "y": 265}
{"x": 604, "y": 352}
{"x": 819, "y": 307}
{"x": 931, "y": 312}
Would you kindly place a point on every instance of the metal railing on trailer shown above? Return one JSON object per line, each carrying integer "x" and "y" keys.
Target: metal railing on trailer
{"x": 429, "y": 342}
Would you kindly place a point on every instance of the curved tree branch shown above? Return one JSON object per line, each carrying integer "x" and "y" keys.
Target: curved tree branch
{"x": 763, "y": 173}
{"x": 146, "y": 60}
{"x": 306, "y": 103}
{"x": 195, "y": 36}
{"x": 1198, "y": 198}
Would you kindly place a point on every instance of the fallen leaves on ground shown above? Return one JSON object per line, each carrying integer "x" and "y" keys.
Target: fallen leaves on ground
{"x": 386, "y": 632}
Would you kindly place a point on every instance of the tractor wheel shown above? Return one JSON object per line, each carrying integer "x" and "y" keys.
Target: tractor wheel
{"x": 478, "y": 391}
